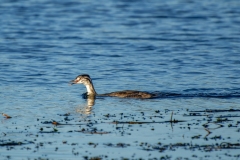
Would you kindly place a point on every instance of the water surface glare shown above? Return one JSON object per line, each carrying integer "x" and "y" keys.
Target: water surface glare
{"x": 185, "y": 51}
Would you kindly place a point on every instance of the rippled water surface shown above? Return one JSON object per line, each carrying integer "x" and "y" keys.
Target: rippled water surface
{"x": 190, "y": 49}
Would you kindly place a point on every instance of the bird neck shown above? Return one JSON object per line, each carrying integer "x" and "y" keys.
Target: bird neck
{"x": 90, "y": 90}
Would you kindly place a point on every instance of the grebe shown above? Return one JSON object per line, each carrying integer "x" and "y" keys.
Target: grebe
{"x": 87, "y": 81}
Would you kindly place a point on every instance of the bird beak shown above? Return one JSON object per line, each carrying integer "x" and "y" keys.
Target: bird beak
{"x": 73, "y": 82}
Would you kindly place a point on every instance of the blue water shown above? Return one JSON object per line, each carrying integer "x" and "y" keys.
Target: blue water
{"x": 191, "y": 48}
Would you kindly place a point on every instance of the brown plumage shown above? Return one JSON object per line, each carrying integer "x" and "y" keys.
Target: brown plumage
{"x": 129, "y": 94}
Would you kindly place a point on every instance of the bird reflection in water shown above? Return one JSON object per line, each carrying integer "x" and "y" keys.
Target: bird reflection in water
{"x": 87, "y": 109}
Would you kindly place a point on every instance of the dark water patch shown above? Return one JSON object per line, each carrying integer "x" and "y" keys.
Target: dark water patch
{"x": 49, "y": 132}
{"x": 107, "y": 55}
{"x": 195, "y": 114}
{"x": 150, "y": 38}
{"x": 212, "y": 125}
{"x": 143, "y": 122}
{"x": 14, "y": 143}
{"x": 93, "y": 132}
{"x": 65, "y": 114}
{"x": 196, "y": 95}
{"x": 188, "y": 146}
{"x": 194, "y": 73}
{"x": 100, "y": 43}
{"x": 177, "y": 39}
{"x": 146, "y": 48}
{"x": 118, "y": 145}
{"x": 70, "y": 37}
{"x": 218, "y": 110}
{"x": 63, "y": 124}
{"x": 194, "y": 18}
{"x": 109, "y": 115}
{"x": 95, "y": 157}
{"x": 228, "y": 116}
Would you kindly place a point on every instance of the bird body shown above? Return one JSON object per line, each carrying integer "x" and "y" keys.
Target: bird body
{"x": 87, "y": 81}
{"x": 128, "y": 94}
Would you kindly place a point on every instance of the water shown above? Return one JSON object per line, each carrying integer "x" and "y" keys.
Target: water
{"x": 184, "y": 47}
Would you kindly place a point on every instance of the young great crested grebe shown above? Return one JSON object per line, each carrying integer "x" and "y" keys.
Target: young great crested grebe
{"x": 87, "y": 81}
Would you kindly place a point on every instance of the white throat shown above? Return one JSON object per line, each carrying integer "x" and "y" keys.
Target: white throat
{"x": 90, "y": 90}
